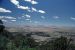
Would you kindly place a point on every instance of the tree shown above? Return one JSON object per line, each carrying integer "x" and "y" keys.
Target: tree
{"x": 1, "y": 26}
{"x": 3, "y": 42}
{"x": 61, "y": 43}
{"x": 31, "y": 42}
{"x": 5, "y": 36}
{"x": 24, "y": 41}
{"x": 3, "y": 39}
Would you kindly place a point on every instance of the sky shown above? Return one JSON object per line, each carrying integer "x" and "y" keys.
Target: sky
{"x": 38, "y": 12}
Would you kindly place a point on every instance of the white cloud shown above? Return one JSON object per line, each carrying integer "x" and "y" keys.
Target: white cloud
{"x": 23, "y": 16}
{"x": 34, "y": 9}
{"x": 27, "y": 19}
{"x": 4, "y": 10}
{"x": 55, "y": 17}
{"x": 23, "y": 7}
{"x": 29, "y": 10}
{"x": 32, "y": 1}
{"x": 42, "y": 17}
{"x": 73, "y": 18}
{"x": 15, "y": 2}
{"x": 1, "y": 17}
{"x": 7, "y": 17}
{"x": 41, "y": 11}
{"x": 28, "y": 16}
{"x": 4, "y": 20}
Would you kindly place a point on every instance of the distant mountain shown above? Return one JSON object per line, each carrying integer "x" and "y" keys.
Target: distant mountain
{"x": 40, "y": 28}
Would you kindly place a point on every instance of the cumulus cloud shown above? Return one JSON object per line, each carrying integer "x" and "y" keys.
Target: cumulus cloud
{"x": 27, "y": 19}
{"x": 1, "y": 17}
{"x": 4, "y": 20}
{"x": 28, "y": 16}
{"x": 4, "y": 10}
{"x": 34, "y": 9}
{"x": 7, "y": 17}
{"x": 41, "y": 11}
{"x": 55, "y": 17}
{"x": 32, "y": 1}
{"x": 42, "y": 17}
{"x": 23, "y": 7}
{"x": 15, "y": 2}
{"x": 73, "y": 18}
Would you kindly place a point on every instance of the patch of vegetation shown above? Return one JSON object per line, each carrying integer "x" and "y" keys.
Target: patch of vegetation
{"x": 21, "y": 42}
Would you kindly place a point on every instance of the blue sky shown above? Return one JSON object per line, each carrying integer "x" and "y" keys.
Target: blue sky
{"x": 38, "y": 12}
